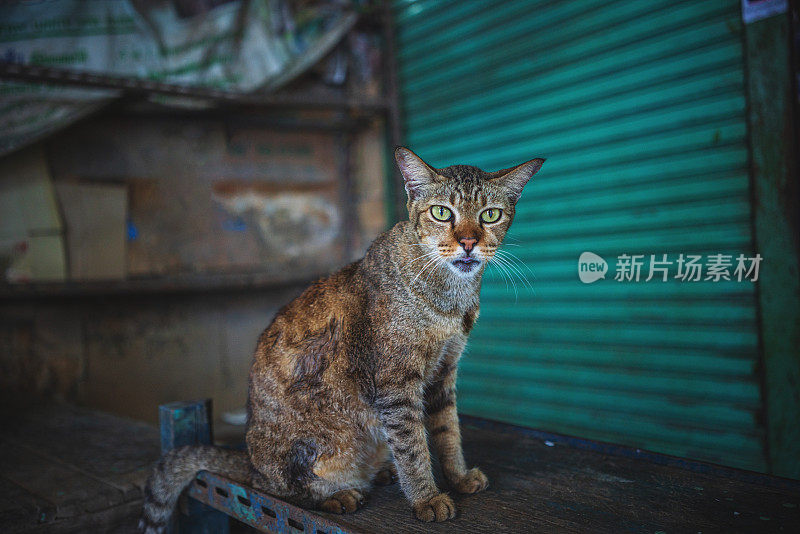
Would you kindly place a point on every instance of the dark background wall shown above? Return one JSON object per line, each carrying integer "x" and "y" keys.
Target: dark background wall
{"x": 225, "y": 223}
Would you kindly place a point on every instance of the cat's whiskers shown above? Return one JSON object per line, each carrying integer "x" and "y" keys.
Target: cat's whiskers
{"x": 513, "y": 269}
{"x": 489, "y": 262}
{"x": 506, "y": 265}
{"x": 436, "y": 267}
{"x": 432, "y": 260}
{"x": 517, "y": 259}
{"x": 513, "y": 258}
{"x": 426, "y": 255}
{"x": 430, "y": 263}
{"x": 510, "y": 277}
{"x": 507, "y": 276}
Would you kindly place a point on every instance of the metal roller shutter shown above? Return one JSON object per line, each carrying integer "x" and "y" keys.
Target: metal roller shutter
{"x": 639, "y": 108}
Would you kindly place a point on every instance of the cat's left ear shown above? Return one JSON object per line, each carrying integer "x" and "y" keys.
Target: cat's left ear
{"x": 416, "y": 173}
{"x": 515, "y": 178}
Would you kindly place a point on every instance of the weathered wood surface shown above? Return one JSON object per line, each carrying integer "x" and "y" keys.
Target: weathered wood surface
{"x": 563, "y": 488}
{"x": 65, "y": 469}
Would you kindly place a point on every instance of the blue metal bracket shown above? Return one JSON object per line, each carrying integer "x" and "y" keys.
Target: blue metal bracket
{"x": 189, "y": 423}
{"x": 185, "y": 423}
{"x": 257, "y": 509}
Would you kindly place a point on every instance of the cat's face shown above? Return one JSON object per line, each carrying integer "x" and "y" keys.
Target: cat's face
{"x": 460, "y": 213}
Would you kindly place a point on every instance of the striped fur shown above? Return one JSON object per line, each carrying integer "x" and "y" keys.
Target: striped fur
{"x": 351, "y": 378}
{"x": 175, "y": 471}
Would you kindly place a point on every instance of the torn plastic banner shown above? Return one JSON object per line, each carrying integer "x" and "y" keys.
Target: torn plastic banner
{"x": 238, "y": 45}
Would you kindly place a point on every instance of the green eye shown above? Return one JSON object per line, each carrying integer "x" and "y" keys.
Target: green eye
{"x": 441, "y": 213}
{"x": 491, "y": 215}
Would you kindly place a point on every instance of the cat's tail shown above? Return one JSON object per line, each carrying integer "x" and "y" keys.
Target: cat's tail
{"x": 176, "y": 469}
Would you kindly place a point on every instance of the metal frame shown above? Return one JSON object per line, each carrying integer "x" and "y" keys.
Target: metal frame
{"x": 776, "y": 212}
{"x": 257, "y": 509}
{"x": 142, "y": 87}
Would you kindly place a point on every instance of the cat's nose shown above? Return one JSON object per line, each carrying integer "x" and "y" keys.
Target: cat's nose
{"x": 468, "y": 243}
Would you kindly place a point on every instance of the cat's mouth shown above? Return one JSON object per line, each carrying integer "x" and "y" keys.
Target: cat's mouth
{"x": 466, "y": 265}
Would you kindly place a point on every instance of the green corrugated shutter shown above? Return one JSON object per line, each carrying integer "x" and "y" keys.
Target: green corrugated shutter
{"x": 639, "y": 109}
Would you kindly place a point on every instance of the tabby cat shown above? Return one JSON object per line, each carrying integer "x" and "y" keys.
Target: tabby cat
{"x": 353, "y": 376}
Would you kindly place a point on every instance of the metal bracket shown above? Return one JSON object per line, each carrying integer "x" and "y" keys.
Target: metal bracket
{"x": 257, "y": 509}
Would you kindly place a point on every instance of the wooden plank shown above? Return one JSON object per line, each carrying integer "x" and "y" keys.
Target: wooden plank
{"x": 552, "y": 483}
{"x": 71, "y": 491}
{"x": 67, "y": 469}
{"x": 119, "y": 520}
{"x": 21, "y": 509}
{"x": 538, "y": 481}
{"x": 117, "y": 451}
{"x": 127, "y": 489}
{"x": 535, "y": 486}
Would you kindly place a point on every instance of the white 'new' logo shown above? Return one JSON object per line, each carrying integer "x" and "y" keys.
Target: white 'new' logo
{"x": 591, "y": 267}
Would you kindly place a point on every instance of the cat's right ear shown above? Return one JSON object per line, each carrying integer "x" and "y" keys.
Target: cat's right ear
{"x": 515, "y": 178}
{"x": 416, "y": 173}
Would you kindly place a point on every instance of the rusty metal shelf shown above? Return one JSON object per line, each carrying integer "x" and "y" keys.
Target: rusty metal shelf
{"x": 142, "y": 87}
{"x": 258, "y": 509}
{"x": 200, "y": 283}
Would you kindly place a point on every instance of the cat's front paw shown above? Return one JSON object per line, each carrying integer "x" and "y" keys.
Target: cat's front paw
{"x": 472, "y": 482}
{"x": 438, "y": 508}
{"x": 343, "y": 502}
{"x": 386, "y": 476}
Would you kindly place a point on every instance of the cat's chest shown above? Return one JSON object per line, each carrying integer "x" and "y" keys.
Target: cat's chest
{"x": 422, "y": 321}
{"x": 431, "y": 327}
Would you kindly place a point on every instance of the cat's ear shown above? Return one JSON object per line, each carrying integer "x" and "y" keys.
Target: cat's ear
{"x": 416, "y": 173}
{"x": 515, "y": 178}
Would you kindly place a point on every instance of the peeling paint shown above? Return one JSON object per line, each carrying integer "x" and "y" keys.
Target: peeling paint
{"x": 293, "y": 224}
